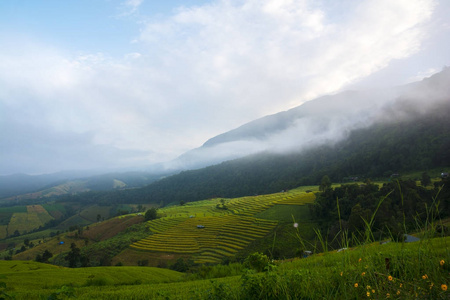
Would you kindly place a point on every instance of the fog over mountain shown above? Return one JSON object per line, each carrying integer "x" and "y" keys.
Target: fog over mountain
{"x": 327, "y": 119}
{"x": 122, "y": 85}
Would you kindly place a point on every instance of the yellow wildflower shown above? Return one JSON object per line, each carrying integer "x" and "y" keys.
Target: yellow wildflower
{"x": 398, "y": 292}
{"x": 373, "y": 291}
{"x": 401, "y": 284}
{"x": 425, "y": 276}
{"x": 390, "y": 278}
{"x": 388, "y": 295}
{"x": 342, "y": 273}
{"x": 368, "y": 294}
{"x": 363, "y": 273}
{"x": 442, "y": 262}
{"x": 356, "y": 285}
{"x": 444, "y": 287}
{"x": 359, "y": 260}
{"x": 368, "y": 287}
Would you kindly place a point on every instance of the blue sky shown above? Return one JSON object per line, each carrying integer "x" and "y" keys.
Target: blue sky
{"x": 85, "y": 25}
{"x": 127, "y": 83}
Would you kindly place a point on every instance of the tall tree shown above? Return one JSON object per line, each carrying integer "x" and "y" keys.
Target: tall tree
{"x": 325, "y": 184}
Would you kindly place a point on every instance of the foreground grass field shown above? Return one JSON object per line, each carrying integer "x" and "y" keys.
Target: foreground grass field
{"x": 418, "y": 270}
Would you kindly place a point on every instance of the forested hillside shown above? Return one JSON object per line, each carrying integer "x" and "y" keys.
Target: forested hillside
{"x": 416, "y": 143}
{"x": 419, "y": 143}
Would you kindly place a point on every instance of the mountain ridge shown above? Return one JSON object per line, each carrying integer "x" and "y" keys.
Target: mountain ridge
{"x": 325, "y": 119}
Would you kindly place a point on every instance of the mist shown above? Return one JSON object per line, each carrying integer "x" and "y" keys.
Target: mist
{"x": 323, "y": 121}
{"x": 84, "y": 95}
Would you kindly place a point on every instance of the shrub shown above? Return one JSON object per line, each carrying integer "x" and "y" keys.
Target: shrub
{"x": 256, "y": 261}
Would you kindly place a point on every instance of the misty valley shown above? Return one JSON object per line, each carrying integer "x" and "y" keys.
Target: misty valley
{"x": 344, "y": 197}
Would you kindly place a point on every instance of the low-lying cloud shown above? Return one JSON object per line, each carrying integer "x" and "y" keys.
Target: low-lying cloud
{"x": 199, "y": 72}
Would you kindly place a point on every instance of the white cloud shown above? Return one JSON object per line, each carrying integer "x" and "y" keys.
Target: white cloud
{"x": 131, "y": 6}
{"x": 207, "y": 69}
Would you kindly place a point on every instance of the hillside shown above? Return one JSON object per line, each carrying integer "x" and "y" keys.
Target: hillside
{"x": 321, "y": 121}
{"x": 18, "y": 187}
{"x": 419, "y": 142}
{"x": 217, "y": 237}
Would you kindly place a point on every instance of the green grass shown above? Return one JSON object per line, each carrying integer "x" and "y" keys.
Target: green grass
{"x": 415, "y": 271}
{"x": 372, "y": 270}
{"x": 285, "y": 213}
{"x": 26, "y": 280}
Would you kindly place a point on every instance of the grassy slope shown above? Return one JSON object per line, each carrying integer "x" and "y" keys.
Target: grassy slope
{"x": 24, "y": 278}
{"x": 418, "y": 270}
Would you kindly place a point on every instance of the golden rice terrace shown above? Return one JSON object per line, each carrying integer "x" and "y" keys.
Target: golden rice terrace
{"x": 208, "y": 232}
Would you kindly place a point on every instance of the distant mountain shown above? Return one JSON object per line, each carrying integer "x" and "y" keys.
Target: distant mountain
{"x": 325, "y": 120}
{"x": 22, "y": 186}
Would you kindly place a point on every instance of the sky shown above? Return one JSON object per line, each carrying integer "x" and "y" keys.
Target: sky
{"x": 115, "y": 84}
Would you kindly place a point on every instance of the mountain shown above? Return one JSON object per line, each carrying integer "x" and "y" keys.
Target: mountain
{"x": 343, "y": 136}
{"x": 370, "y": 133}
{"x": 325, "y": 120}
{"x": 22, "y": 186}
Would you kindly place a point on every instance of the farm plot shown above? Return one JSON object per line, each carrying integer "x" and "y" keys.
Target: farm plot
{"x": 56, "y": 210}
{"x": 35, "y": 216}
{"x": 298, "y": 199}
{"x": 219, "y": 237}
{"x": 248, "y": 206}
{"x": 3, "y": 232}
{"x": 203, "y": 208}
{"x": 39, "y": 212}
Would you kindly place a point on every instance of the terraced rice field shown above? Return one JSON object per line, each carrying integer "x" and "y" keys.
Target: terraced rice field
{"x": 225, "y": 232}
{"x": 221, "y": 236}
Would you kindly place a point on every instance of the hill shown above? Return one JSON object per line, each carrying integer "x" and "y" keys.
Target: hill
{"x": 18, "y": 187}
{"x": 419, "y": 142}
{"x": 321, "y": 121}
{"x": 372, "y": 270}
{"x": 191, "y": 236}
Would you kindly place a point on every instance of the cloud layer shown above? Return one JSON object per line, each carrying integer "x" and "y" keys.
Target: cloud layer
{"x": 199, "y": 72}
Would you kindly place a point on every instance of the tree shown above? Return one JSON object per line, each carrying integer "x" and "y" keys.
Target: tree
{"x": 256, "y": 261}
{"x": 150, "y": 214}
{"x": 46, "y": 256}
{"x": 181, "y": 265}
{"x": 426, "y": 180}
{"x": 325, "y": 184}
{"x": 73, "y": 256}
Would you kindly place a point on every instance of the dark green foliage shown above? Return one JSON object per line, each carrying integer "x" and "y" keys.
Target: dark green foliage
{"x": 221, "y": 205}
{"x": 63, "y": 293}
{"x": 325, "y": 183}
{"x": 151, "y": 214}
{"x": 101, "y": 253}
{"x": 257, "y": 261}
{"x": 142, "y": 263}
{"x": 3, "y": 294}
{"x": 182, "y": 265}
{"x": 426, "y": 180}
{"x": 44, "y": 257}
{"x": 75, "y": 258}
{"x": 403, "y": 205}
